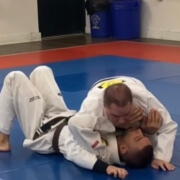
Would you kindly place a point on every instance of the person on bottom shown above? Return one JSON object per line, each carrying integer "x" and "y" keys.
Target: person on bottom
{"x": 38, "y": 104}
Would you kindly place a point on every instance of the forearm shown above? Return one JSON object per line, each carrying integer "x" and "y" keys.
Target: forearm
{"x": 82, "y": 156}
{"x": 87, "y": 160}
{"x": 164, "y": 142}
{"x": 110, "y": 169}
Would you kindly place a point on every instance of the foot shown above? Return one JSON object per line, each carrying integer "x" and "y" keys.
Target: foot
{"x": 4, "y": 142}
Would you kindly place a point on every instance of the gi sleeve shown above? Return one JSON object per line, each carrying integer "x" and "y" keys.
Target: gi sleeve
{"x": 163, "y": 141}
{"x": 82, "y": 157}
{"x": 100, "y": 166}
{"x": 86, "y": 130}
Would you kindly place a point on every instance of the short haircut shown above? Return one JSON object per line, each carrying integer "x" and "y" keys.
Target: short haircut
{"x": 139, "y": 158}
{"x": 118, "y": 94}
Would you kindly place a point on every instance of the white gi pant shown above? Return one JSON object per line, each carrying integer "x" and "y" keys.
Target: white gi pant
{"x": 34, "y": 102}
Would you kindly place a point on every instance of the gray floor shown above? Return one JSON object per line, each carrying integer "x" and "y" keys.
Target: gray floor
{"x": 69, "y": 41}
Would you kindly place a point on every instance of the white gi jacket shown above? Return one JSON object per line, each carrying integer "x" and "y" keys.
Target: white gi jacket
{"x": 91, "y": 119}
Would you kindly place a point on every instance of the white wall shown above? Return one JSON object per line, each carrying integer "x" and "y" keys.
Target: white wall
{"x": 18, "y": 21}
{"x": 87, "y": 24}
{"x": 160, "y": 19}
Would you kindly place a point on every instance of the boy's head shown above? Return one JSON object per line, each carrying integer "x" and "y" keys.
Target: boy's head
{"x": 135, "y": 149}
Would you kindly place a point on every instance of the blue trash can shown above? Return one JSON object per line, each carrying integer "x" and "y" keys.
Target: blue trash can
{"x": 126, "y": 19}
{"x": 100, "y": 23}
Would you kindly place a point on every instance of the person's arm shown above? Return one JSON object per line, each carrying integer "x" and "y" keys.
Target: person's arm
{"x": 115, "y": 171}
{"x": 83, "y": 156}
{"x": 163, "y": 140}
{"x": 90, "y": 160}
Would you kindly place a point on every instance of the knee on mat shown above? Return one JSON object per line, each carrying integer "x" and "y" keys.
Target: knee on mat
{"x": 40, "y": 69}
{"x": 16, "y": 75}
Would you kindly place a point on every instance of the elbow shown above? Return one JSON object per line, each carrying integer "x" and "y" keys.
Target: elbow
{"x": 170, "y": 127}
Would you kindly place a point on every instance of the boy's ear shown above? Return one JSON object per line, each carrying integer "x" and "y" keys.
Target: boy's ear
{"x": 123, "y": 149}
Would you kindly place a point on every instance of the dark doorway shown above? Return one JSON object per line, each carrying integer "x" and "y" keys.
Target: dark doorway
{"x": 61, "y": 17}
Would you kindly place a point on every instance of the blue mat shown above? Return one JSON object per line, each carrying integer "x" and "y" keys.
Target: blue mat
{"x": 75, "y": 78}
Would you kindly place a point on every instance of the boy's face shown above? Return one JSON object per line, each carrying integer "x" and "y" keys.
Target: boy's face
{"x": 135, "y": 140}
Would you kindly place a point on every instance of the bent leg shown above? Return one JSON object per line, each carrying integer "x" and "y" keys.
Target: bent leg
{"x": 43, "y": 79}
{"x": 21, "y": 99}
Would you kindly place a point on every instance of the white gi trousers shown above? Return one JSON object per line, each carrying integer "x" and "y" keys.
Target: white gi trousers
{"x": 34, "y": 102}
